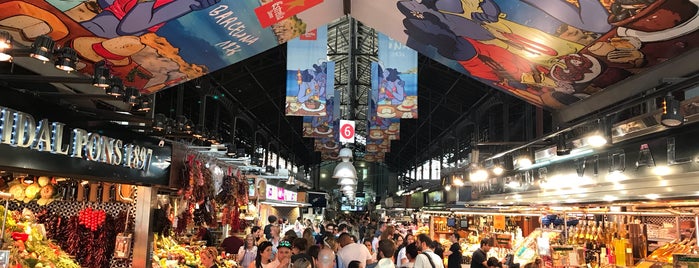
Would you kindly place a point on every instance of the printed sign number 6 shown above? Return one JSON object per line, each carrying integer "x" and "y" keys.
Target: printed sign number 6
{"x": 347, "y": 131}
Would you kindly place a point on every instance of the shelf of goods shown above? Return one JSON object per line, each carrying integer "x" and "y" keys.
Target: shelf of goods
{"x": 538, "y": 241}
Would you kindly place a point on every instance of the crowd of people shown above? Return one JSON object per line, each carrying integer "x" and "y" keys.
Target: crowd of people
{"x": 366, "y": 243}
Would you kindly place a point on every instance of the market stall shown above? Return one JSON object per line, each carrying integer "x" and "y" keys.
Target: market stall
{"x": 71, "y": 187}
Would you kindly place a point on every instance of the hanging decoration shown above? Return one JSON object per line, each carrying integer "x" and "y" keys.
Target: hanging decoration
{"x": 396, "y": 80}
{"x": 308, "y": 74}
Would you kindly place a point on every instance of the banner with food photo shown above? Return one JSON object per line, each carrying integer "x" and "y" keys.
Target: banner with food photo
{"x": 323, "y": 126}
{"x": 326, "y": 145}
{"x": 395, "y": 77}
{"x": 374, "y": 157}
{"x": 308, "y": 74}
{"x": 381, "y": 122}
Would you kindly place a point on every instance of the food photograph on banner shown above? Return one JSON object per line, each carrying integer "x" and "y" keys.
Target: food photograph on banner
{"x": 154, "y": 45}
{"x": 395, "y": 77}
{"x": 323, "y": 126}
{"x": 309, "y": 76}
{"x": 549, "y": 53}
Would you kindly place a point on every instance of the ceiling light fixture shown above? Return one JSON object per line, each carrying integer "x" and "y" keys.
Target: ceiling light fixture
{"x": 66, "y": 59}
{"x": 143, "y": 104}
{"x": 116, "y": 87}
{"x": 131, "y": 96}
{"x": 671, "y": 116}
{"x": 100, "y": 77}
{"x": 159, "y": 122}
{"x": 561, "y": 146}
{"x": 602, "y": 135}
{"x": 5, "y": 46}
{"x": 42, "y": 48}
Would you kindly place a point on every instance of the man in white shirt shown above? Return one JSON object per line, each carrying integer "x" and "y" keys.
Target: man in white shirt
{"x": 426, "y": 259}
{"x": 386, "y": 250}
{"x": 352, "y": 251}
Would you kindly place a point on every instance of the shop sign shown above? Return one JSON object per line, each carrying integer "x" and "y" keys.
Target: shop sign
{"x": 271, "y": 192}
{"x": 280, "y": 193}
{"x": 19, "y": 129}
{"x": 290, "y": 196}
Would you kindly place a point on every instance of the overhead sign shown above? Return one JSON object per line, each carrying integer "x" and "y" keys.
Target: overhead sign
{"x": 44, "y": 138}
{"x": 19, "y": 129}
{"x": 346, "y": 131}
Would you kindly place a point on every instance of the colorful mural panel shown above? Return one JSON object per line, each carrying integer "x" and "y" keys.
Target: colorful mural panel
{"x": 308, "y": 74}
{"x": 396, "y": 79}
{"x": 323, "y": 126}
{"x": 155, "y": 44}
{"x": 549, "y": 53}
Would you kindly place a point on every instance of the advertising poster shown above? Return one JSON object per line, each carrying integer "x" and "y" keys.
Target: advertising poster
{"x": 550, "y": 53}
{"x": 308, "y": 74}
{"x": 152, "y": 45}
{"x": 383, "y": 121}
{"x": 323, "y": 126}
{"x": 396, "y": 80}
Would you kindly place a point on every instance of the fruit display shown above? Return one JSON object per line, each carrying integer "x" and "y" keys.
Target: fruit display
{"x": 28, "y": 245}
{"x": 167, "y": 253}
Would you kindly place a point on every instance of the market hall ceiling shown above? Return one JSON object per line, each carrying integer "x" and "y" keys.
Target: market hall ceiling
{"x": 570, "y": 57}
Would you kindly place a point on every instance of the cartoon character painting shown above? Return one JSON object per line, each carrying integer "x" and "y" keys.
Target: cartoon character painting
{"x": 391, "y": 87}
{"x": 134, "y": 17}
{"x": 597, "y": 42}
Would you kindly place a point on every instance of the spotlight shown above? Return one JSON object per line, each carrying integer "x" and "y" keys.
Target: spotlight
{"x": 602, "y": 135}
{"x": 181, "y": 121}
{"x": 5, "y": 46}
{"x": 100, "y": 77}
{"x": 671, "y": 116}
{"x": 116, "y": 87}
{"x": 447, "y": 187}
{"x": 5, "y": 40}
{"x": 199, "y": 131}
{"x": 188, "y": 127}
{"x": 42, "y": 48}
{"x": 143, "y": 104}
{"x": 561, "y": 147}
{"x": 66, "y": 59}
{"x": 159, "y": 122}
{"x": 131, "y": 96}
{"x": 498, "y": 170}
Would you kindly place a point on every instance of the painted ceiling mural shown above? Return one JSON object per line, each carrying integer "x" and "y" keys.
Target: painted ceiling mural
{"x": 550, "y": 53}
{"x": 155, "y": 44}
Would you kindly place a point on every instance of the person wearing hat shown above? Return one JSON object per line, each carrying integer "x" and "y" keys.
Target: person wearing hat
{"x": 480, "y": 256}
{"x": 284, "y": 254}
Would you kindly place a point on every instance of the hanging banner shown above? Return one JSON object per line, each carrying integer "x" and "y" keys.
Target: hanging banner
{"x": 383, "y": 120}
{"x": 396, "y": 79}
{"x": 276, "y": 11}
{"x": 152, "y": 45}
{"x": 326, "y": 145}
{"x": 323, "y": 126}
{"x": 308, "y": 74}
